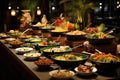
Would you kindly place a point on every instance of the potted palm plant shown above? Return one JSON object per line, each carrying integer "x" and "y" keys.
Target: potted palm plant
{"x": 79, "y": 10}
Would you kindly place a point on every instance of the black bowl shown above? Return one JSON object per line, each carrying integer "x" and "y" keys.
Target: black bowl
{"x": 44, "y": 64}
{"x": 75, "y": 37}
{"x": 107, "y": 69}
{"x": 47, "y": 28}
{"x": 36, "y": 27}
{"x": 71, "y": 63}
{"x": 55, "y": 33}
{"x": 101, "y": 41}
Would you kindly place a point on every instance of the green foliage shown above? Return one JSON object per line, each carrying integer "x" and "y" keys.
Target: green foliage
{"x": 30, "y": 4}
{"x": 72, "y": 7}
{"x": 77, "y": 27}
{"x": 117, "y": 36}
{"x": 75, "y": 8}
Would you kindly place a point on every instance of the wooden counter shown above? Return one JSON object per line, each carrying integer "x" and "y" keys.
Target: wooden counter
{"x": 27, "y": 70}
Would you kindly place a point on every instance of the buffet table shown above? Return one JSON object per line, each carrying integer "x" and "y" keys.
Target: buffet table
{"x": 27, "y": 70}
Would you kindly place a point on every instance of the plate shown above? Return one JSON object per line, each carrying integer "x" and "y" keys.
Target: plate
{"x": 23, "y": 49}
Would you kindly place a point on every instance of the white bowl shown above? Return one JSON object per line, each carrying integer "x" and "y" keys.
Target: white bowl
{"x": 93, "y": 70}
{"x": 32, "y": 56}
{"x": 23, "y": 49}
{"x": 61, "y": 74}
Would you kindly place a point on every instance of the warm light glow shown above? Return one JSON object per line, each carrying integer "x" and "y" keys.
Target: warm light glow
{"x": 38, "y": 7}
{"x": 18, "y": 7}
{"x": 118, "y": 6}
{"x": 9, "y": 7}
{"x": 53, "y": 8}
{"x": 13, "y": 12}
{"x": 100, "y": 7}
{"x": 100, "y": 3}
{"x": 118, "y": 2}
{"x": 38, "y": 12}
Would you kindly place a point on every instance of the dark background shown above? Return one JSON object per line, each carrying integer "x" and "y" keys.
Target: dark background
{"x": 109, "y": 14}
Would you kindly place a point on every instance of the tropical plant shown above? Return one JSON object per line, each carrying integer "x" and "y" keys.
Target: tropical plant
{"x": 29, "y": 4}
{"x": 78, "y": 9}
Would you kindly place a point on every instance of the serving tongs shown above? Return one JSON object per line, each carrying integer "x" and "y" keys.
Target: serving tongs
{"x": 59, "y": 69}
{"x": 88, "y": 53}
{"x": 98, "y": 51}
{"x": 58, "y": 38}
{"x": 78, "y": 46}
{"x": 110, "y": 31}
{"x": 91, "y": 54}
{"x": 25, "y": 31}
{"x": 88, "y": 62}
{"x": 53, "y": 23}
